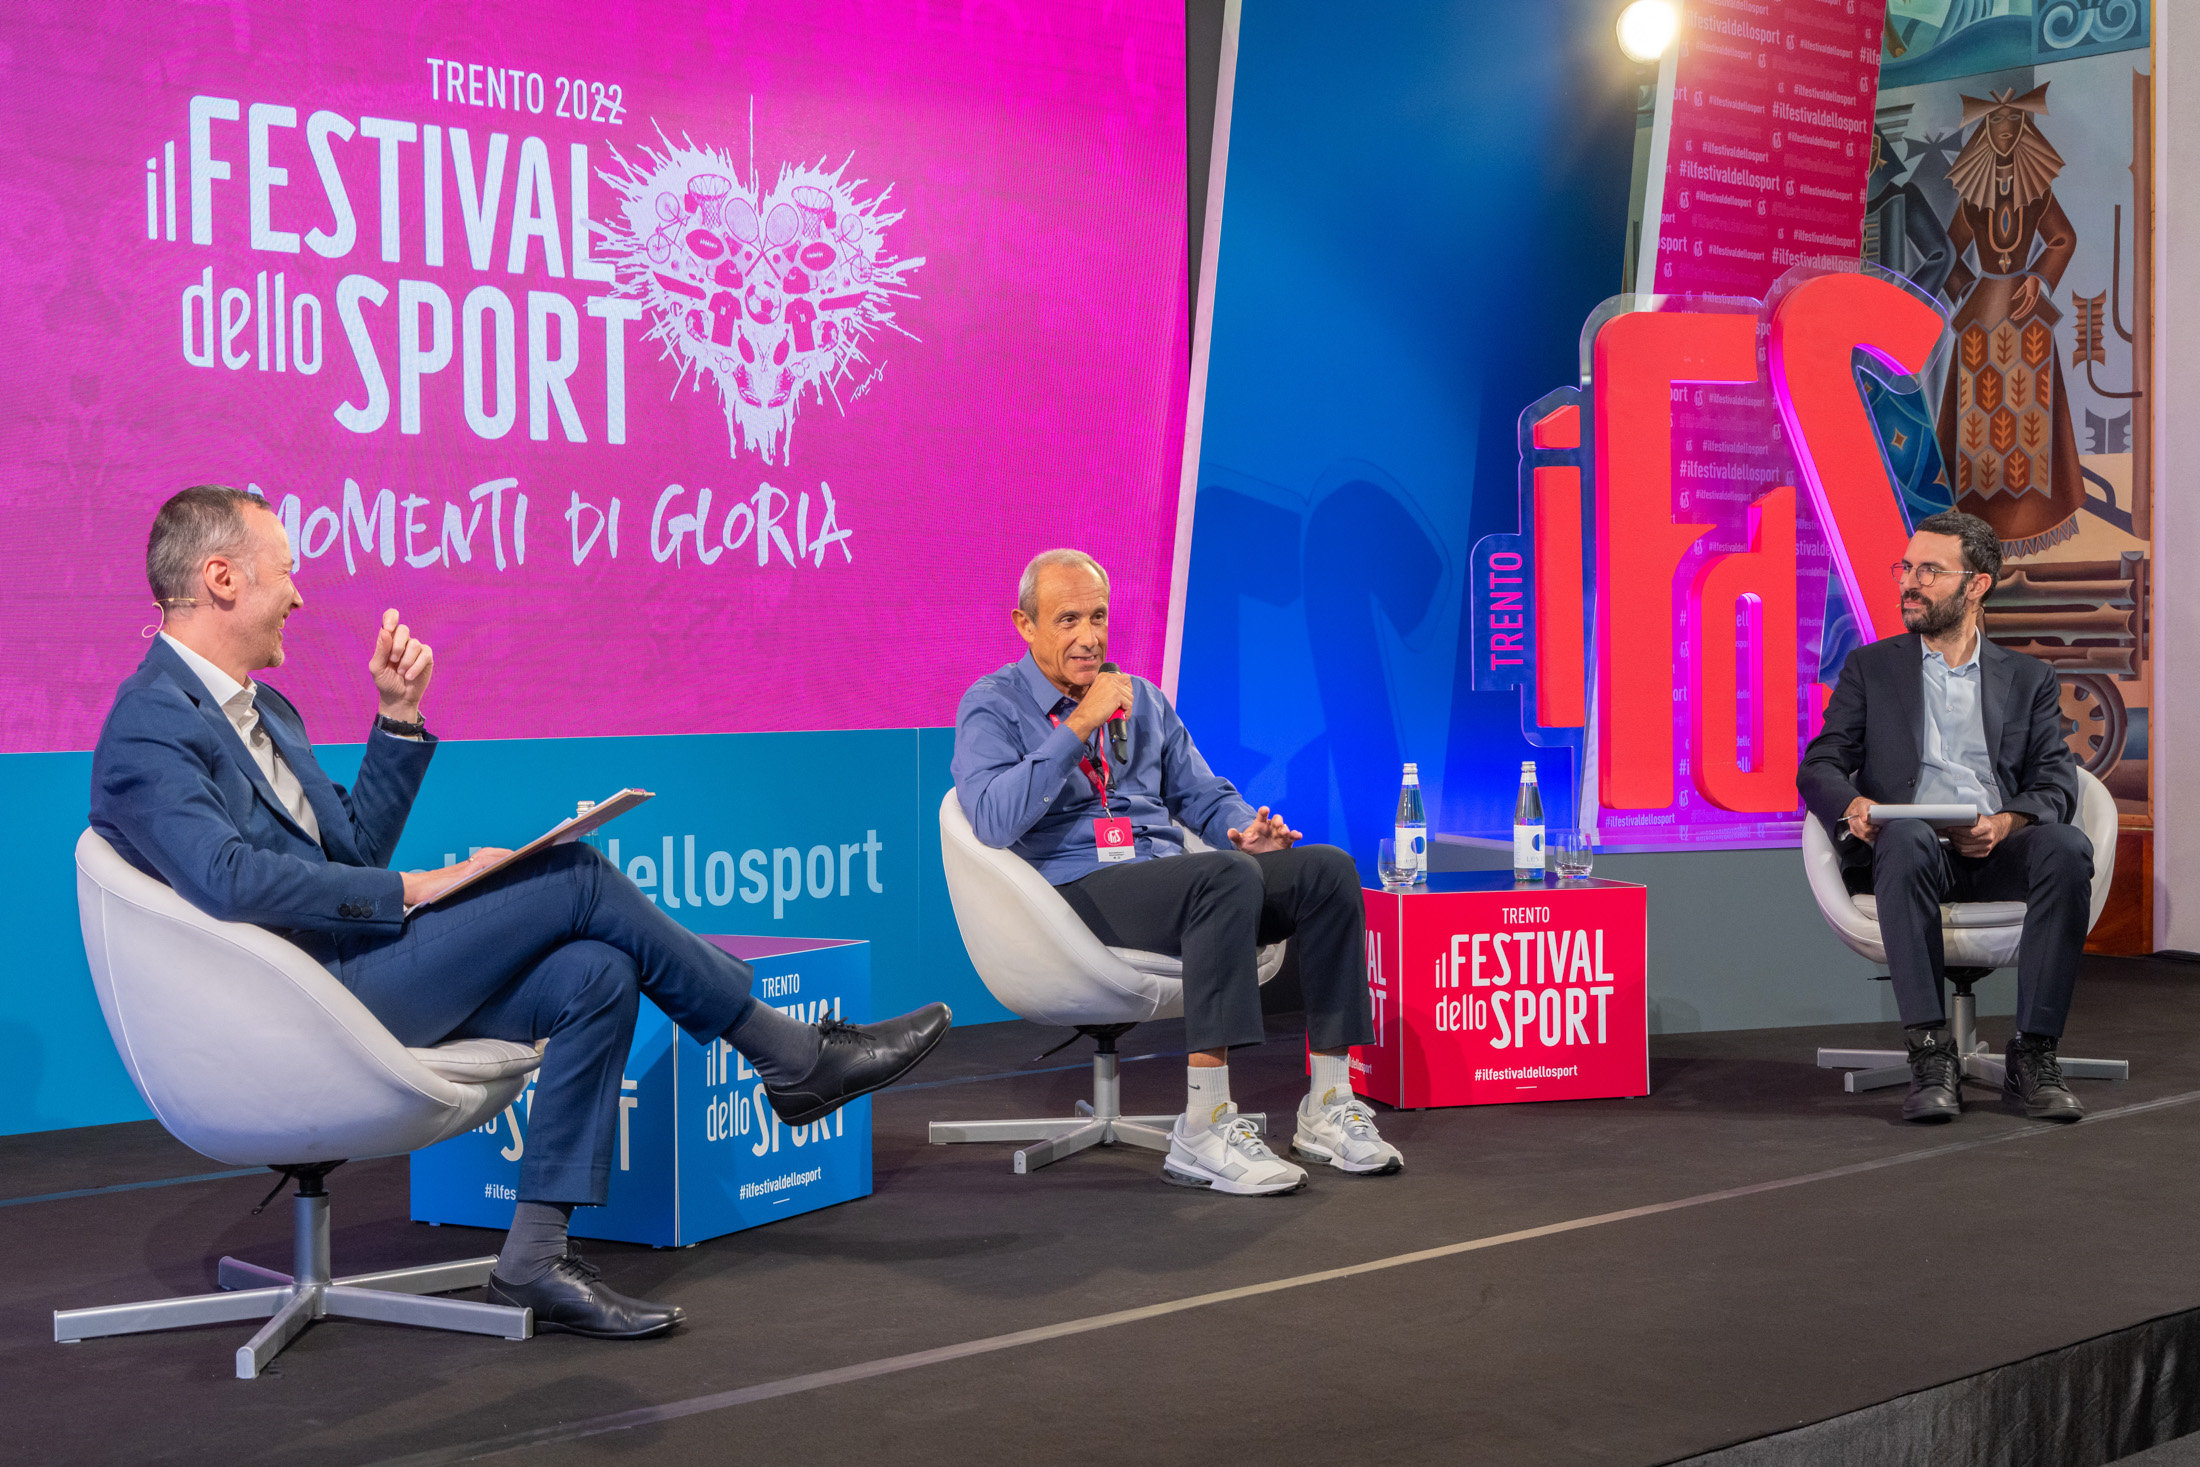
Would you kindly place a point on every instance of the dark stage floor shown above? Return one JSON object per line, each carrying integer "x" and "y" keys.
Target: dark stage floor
{"x": 1778, "y": 1296}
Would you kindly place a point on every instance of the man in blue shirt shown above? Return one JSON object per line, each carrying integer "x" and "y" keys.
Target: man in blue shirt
{"x": 1037, "y": 773}
{"x": 1941, "y": 716}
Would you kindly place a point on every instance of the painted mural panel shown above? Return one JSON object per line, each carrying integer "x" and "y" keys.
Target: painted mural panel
{"x": 2011, "y": 177}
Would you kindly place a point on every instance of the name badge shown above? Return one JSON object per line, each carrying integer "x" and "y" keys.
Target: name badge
{"x": 1114, "y": 839}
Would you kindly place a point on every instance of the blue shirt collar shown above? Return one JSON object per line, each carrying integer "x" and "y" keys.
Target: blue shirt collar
{"x": 1043, "y": 693}
{"x": 1969, "y": 664}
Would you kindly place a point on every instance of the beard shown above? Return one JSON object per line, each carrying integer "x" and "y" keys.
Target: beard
{"x": 1936, "y": 618}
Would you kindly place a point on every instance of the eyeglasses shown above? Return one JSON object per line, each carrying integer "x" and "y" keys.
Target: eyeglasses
{"x": 1926, "y": 574}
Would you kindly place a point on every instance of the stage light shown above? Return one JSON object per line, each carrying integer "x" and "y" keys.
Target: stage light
{"x": 1647, "y": 28}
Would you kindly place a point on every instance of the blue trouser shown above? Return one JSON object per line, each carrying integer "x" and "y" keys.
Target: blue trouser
{"x": 559, "y": 947}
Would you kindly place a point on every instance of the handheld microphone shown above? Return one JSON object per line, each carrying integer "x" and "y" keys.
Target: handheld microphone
{"x": 1119, "y": 730}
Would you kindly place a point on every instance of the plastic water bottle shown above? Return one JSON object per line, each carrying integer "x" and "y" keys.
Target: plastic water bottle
{"x": 1412, "y": 831}
{"x": 594, "y": 838}
{"x": 1528, "y": 827}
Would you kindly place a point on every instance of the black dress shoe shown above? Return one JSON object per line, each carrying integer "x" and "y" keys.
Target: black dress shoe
{"x": 2032, "y": 1079}
{"x": 573, "y": 1297}
{"x": 1936, "y": 1077}
{"x": 857, "y": 1059}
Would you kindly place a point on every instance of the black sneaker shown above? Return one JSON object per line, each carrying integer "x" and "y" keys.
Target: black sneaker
{"x": 1936, "y": 1076}
{"x": 2033, "y": 1079}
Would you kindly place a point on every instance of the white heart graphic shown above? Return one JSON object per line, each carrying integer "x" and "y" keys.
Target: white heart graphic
{"x": 770, "y": 294}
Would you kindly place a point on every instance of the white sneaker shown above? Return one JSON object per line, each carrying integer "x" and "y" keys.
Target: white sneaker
{"x": 1344, "y": 1135}
{"x": 1228, "y": 1157}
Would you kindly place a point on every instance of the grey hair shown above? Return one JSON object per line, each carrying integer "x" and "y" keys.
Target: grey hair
{"x": 1981, "y": 544}
{"x": 1027, "y": 588}
{"x": 196, "y": 523}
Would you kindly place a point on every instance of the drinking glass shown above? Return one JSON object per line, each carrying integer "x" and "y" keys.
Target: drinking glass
{"x": 1395, "y": 877}
{"x": 1573, "y": 852}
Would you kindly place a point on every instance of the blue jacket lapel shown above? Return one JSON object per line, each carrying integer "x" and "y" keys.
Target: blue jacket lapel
{"x": 277, "y": 717}
{"x": 181, "y": 674}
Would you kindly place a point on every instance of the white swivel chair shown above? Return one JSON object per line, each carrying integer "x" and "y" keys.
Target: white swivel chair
{"x": 1977, "y": 938}
{"x": 1044, "y": 964}
{"x": 249, "y": 1052}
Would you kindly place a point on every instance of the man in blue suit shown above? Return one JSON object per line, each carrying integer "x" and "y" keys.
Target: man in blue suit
{"x": 205, "y": 779}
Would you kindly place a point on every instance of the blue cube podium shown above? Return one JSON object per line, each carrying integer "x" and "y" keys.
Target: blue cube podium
{"x": 700, "y": 1153}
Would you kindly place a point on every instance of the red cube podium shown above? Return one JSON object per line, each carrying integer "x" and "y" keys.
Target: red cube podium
{"x": 1488, "y": 990}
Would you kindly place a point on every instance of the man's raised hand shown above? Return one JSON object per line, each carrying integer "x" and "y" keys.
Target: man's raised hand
{"x": 1109, "y": 691}
{"x": 1265, "y": 833}
{"x": 401, "y": 666}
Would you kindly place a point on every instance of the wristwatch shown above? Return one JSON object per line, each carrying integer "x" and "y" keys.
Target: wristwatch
{"x": 418, "y": 728}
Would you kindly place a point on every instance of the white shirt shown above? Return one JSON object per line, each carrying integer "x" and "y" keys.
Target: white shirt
{"x": 236, "y": 700}
{"x": 1958, "y": 769}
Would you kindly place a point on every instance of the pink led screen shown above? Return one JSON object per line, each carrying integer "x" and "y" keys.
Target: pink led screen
{"x": 673, "y": 369}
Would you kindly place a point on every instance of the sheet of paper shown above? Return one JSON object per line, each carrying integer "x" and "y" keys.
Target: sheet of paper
{"x": 557, "y": 835}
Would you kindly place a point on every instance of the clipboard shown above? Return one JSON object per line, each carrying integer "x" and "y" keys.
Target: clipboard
{"x": 567, "y": 830}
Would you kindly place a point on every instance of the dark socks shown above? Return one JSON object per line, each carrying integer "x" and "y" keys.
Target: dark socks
{"x": 778, "y": 1048}
{"x": 536, "y": 1241}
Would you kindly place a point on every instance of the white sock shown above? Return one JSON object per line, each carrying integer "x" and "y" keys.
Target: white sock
{"x": 1207, "y": 1094}
{"x": 1332, "y": 1080}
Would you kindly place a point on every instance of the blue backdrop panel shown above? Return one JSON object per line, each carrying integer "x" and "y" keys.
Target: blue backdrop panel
{"x": 718, "y": 795}
{"x": 1418, "y": 218}
{"x": 57, "y": 1065}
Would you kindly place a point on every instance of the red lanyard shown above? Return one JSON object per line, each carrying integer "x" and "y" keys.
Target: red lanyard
{"x": 1101, "y": 777}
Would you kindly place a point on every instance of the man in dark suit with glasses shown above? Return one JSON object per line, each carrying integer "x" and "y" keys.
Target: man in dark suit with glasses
{"x": 1939, "y": 715}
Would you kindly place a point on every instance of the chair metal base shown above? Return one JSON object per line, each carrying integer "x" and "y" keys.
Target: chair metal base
{"x": 291, "y": 1301}
{"x": 1876, "y": 1069}
{"x": 1098, "y": 1122}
